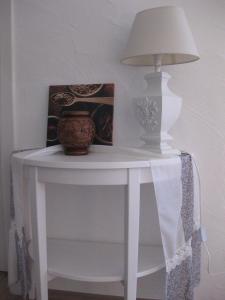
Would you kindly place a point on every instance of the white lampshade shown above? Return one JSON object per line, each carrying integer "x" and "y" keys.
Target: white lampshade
{"x": 160, "y": 32}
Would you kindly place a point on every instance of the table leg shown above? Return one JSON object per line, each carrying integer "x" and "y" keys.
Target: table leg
{"x": 38, "y": 210}
{"x": 132, "y": 212}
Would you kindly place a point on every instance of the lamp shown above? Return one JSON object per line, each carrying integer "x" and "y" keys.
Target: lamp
{"x": 159, "y": 36}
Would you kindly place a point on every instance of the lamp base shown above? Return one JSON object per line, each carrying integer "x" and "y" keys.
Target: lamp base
{"x": 157, "y": 111}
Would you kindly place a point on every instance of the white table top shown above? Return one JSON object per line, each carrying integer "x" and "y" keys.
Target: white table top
{"x": 99, "y": 157}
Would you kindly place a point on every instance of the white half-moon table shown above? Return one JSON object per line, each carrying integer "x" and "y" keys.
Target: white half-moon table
{"x": 85, "y": 260}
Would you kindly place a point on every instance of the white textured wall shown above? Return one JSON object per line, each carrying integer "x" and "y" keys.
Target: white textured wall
{"x": 78, "y": 41}
{"x": 6, "y": 124}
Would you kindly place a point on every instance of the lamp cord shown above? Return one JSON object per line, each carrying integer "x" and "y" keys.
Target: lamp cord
{"x": 203, "y": 232}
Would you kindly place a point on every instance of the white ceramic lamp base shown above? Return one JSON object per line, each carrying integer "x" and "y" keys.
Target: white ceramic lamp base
{"x": 157, "y": 112}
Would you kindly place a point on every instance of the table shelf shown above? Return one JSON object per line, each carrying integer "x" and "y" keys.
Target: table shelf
{"x": 98, "y": 261}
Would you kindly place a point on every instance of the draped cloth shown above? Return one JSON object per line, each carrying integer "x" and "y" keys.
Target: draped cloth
{"x": 20, "y": 234}
{"x": 177, "y": 196}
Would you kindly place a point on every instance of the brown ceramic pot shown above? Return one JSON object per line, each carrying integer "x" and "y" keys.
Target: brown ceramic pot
{"x": 76, "y": 131}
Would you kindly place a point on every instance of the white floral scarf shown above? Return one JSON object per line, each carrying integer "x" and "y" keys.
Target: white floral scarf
{"x": 177, "y": 196}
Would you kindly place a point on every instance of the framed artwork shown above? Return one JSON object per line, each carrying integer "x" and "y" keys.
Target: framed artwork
{"x": 98, "y": 99}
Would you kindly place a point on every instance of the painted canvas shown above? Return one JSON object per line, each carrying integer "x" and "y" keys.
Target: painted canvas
{"x": 98, "y": 99}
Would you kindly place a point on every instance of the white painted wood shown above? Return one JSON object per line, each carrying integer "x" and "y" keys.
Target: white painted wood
{"x": 99, "y": 157}
{"x": 38, "y": 207}
{"x": 90, "y": 261}
{"x": 90, "y": 177}
{"x": 98, "y": 261}
{"x": 132, "y": 234}
{"x": 84, "y": 176}
{"x": 97, "y": 168}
